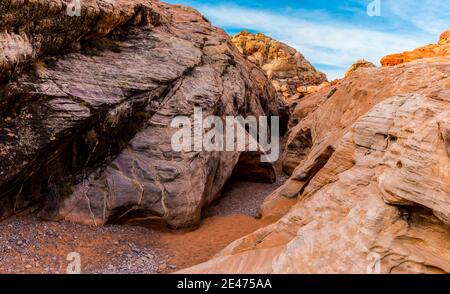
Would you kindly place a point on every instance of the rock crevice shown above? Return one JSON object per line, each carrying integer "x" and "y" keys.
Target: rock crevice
{"x": 382, "y": 195}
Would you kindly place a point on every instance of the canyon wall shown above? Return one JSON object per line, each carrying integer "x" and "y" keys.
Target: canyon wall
{"x": 87, "y": 102}
{"x": 370, "y": 164}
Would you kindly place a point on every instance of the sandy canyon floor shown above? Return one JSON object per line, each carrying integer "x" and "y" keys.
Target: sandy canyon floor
{"x": 30, "y": 245}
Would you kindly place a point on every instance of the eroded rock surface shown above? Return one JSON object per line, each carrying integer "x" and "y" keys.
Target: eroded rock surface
{"x": 285, "y": 67}
{"x": 323, "y": 116}
{"x": 358, "y": 64}
{"x": 372, "y": 177}
{"x": 89, "y": 130}
{"x": 441, "y": 49}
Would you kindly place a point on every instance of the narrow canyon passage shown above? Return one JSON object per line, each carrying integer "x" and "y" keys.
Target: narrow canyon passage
{"x": 116, "y": 146}
{"x": 30, "y": 245}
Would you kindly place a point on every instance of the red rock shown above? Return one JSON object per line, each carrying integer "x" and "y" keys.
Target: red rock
{"x": 359, "y": 64}
{"x": 442, "y": 49}
{"x": 380, "y": 199}
{"x": 284, "y": 66}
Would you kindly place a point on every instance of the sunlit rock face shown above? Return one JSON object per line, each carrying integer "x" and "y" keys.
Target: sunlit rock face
{"x": 441, "y": 49}
{"x": 285, "y": 67}
{"x": 358, "y": 64}
{"x": 370, "y": 164}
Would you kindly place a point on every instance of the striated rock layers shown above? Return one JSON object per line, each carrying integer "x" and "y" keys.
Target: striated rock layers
{"x": 441, "y": 49}
{"x": 285, "y": 67}
{"x": 370, "y": 163}
{"x": 357, "y": 65}
{"x": 87, "y": 102}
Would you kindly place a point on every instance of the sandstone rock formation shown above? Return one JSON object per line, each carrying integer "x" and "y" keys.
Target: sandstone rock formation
{"x": 284, "y": 66}
{"x": 441, "y": 49}
{"x": 444, "y": 38}
{"x": 358, "y": 64}
{"x": 370, "y": 166}
{"x": 87, "y": 102}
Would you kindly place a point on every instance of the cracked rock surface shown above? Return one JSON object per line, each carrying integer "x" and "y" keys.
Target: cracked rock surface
{"x": 287, "y": 68}
{"x": 87, "y": 104}
{"x": 370, "y": 168}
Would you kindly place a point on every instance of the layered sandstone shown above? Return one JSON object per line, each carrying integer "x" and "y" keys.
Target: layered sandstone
{"x": 441, "y": 49}
{"x": 444, "y": 38}
{"x": 358, "y": 64}
{"x": 87, "y": 104}
{"x": 371, "y": 172}
{"x": 285, "y": 67}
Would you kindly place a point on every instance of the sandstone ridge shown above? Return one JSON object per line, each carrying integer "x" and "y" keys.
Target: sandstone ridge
{"x": 370, "y": 164}
{"x": 439, "y": 50}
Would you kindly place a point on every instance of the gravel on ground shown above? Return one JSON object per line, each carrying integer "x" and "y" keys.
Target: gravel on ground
{"x": 31, "y": 245}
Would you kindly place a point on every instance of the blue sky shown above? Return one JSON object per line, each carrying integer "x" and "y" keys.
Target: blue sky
{"x": 332, "y": 34}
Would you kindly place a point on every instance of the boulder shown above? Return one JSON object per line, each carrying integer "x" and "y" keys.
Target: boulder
{"x": 87, "y": 102}
{"x": 358, "y": 64}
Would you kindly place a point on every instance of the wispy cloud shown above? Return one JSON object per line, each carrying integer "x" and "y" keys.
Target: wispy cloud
{"x": 430, "y": 16}
{"x": 333, "y": 43}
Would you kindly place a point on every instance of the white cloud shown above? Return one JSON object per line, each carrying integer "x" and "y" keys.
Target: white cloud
{"x": 431, "y": 16}
{"x": 322, "y": 41}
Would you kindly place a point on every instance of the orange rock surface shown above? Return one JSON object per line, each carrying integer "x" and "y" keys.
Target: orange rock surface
{"x": 287, "y": 68}
{"x": 358, "y": 64}
{"x": 371, "y": 172}
{"x": 441, "y": 49}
